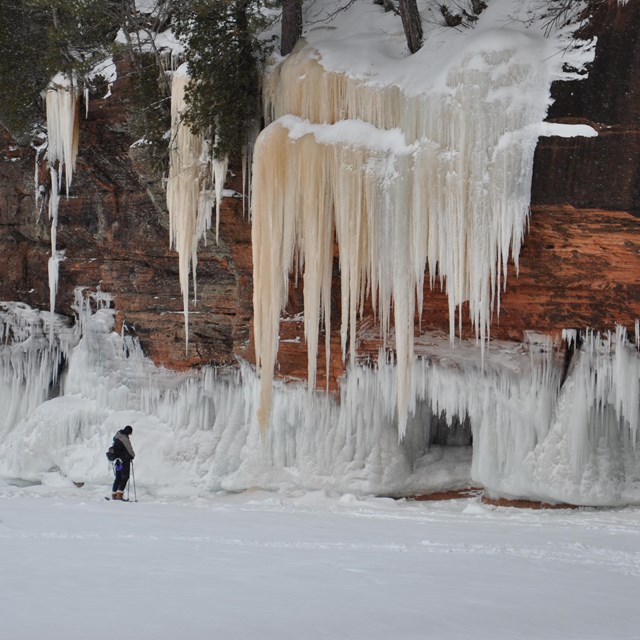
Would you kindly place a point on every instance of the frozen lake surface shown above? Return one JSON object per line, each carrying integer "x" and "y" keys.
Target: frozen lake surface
{"x": 260, "y": 565}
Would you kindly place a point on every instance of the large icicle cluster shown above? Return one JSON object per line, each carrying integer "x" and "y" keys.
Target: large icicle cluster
{"x": 196, "y": 182}
{"x": 436, "y": 181}
{"x": 63, "y": 127}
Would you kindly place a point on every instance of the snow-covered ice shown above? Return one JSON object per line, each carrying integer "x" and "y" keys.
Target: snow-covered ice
{"x": 278, "y": 566}
{"x": 540, "y": 426}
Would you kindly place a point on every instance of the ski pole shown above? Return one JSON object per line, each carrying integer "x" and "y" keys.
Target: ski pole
{"x": 133, "y": 479}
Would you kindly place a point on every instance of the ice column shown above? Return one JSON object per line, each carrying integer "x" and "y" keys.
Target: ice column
{"x": 29, "y": 362}
{"x": 589, "y": 454}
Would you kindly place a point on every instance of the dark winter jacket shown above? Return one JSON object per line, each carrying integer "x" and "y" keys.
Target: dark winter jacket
{"x": 122, "y": 447}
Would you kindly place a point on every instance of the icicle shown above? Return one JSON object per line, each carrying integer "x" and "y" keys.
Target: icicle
{"x": 183, "y": 193}
{"x": 54, "y": 203}
{"x": 195, "y": 181}
{"x": 62, "y": 126}
{"x": 219, "y": 171}
{"x": 272, "y": 242}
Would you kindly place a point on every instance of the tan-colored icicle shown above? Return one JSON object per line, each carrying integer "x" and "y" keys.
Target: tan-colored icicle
{"x": 183, "y": 192}
{"x": 451, "y": 198}
{"x": 306, "y": 190}
{"x": 272, "y": 240}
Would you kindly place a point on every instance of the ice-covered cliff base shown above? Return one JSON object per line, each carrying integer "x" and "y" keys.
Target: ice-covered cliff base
{"x": 531, "y": 423}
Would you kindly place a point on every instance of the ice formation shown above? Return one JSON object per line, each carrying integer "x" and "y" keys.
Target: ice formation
{"x": 406, "y": 179}
{"x": 30, "y": 363}
{"x": 533, "y": 434}
{"x": 62, "y": 128}
{"x": 195, "y": 185}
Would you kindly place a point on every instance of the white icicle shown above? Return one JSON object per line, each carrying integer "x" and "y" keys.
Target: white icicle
{"x": 52, "y": 267}
{"x": 189, "y": 218}
{"x": 62, "y": 126}
{"x": 219, "y": 171}
{"x": 196, "y": 181}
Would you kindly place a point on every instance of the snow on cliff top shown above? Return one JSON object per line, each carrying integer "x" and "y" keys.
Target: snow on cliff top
{"x": 367, "y": 42}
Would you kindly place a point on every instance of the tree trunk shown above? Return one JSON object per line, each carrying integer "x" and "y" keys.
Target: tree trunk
{"x": 411, "y": 23}
{"x": 291, "y": 25}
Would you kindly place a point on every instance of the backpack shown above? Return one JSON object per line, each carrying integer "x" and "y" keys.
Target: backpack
{"x": 111, "y": 453}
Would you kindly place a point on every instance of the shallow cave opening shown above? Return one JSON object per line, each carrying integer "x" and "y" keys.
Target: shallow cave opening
{"x": 439, "y": 449}
{"x": 426, "y": 429}
{"x": 450, "y": 433}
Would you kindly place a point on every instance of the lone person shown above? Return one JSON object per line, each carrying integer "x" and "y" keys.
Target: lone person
{"x": 124, "y": 455}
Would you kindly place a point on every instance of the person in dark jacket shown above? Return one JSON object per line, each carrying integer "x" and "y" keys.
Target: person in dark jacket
{"x": 124, "y": 455}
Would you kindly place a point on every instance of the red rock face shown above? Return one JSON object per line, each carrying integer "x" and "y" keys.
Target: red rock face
{"x": 601, "y": 172}
{"x": 114, "y": 232}
{"x": 579, "y": 265}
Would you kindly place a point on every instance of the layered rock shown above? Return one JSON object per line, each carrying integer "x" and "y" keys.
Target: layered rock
{"x": 601, "y": 172}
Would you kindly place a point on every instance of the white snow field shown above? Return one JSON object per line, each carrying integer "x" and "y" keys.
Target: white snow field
{"x": 277, "y": 566}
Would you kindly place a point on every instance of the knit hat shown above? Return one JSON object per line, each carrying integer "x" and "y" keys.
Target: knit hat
{"x": 128, "y": 430}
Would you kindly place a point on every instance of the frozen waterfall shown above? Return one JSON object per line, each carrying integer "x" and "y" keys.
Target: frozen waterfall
{"x": 400, "y": 168}
{"x": 407, "y": 180}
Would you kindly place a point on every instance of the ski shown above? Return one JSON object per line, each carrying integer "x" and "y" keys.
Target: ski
{"x": 112, "y": 500}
